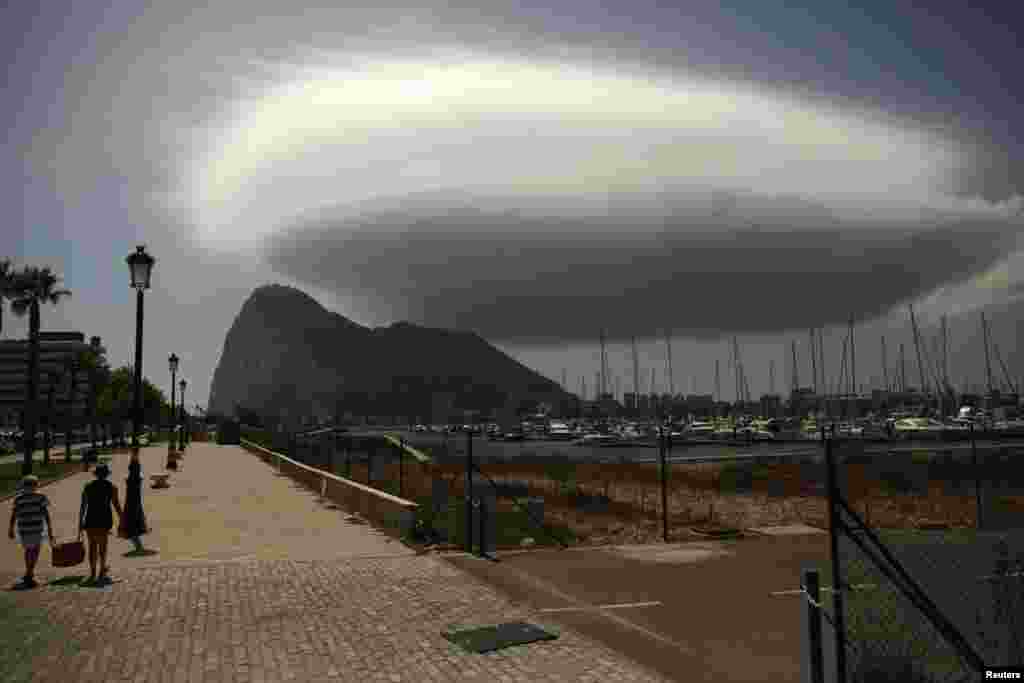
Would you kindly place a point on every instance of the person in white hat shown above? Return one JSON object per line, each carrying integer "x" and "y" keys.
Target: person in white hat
{"x": 31, "y": 511}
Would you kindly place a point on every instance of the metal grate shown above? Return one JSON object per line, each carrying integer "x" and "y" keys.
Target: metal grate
{"x": 490, "y": 638}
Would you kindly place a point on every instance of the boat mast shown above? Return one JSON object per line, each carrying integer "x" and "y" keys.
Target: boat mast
{"x": 945, "y": 352}
{"x": 988, "y": 362}
{"x": 1006, "y": 374}
{"x": 814, "y": 366}
{"x": 718, "y": 385}
{"x": 903, "y": 371}
{"x": 668, "y": 348}
{"x": 821, "y": 368}
{"x": 604, "y": 369}
{"x": 885, "y": 367}
{"x": 853, "y": 374}
{"x": 916, "y": 344}
{"x": 636, "y": 374}
{"x": 796, "y": 375}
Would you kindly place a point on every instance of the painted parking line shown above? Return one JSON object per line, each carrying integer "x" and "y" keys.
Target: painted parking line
{"x": 823, "y": 589}
{"x": 584, "y": 608}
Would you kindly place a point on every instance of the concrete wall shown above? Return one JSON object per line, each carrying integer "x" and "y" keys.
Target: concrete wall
{"x": 392, "y": 514}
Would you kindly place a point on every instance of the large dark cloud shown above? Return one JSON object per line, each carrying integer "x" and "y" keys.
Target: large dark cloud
{"x": 735, "y": 265}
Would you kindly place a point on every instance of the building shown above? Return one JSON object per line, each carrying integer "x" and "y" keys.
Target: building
{"x": 56, "y": 349}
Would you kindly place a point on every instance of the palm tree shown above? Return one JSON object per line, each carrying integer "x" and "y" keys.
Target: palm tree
{"x": 6, "y": 287}
{"x": 30, "y": 288}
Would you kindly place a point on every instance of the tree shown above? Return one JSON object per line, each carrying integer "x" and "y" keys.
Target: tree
{"x": 115, "y": 400}
{"x": 30, "y": 288}
{"x": 94, "y": 361}
{"x": 6, "y": 287}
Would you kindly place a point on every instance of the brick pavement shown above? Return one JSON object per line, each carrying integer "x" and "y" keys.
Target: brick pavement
{"x": 256, "y": 581}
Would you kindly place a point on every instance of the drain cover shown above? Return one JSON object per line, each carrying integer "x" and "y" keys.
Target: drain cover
{"x": 489, "y": 638}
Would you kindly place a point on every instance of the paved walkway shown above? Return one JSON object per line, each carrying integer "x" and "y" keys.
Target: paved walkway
{"x": 257, "y": 580}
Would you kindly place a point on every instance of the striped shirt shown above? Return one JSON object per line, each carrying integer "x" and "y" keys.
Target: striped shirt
{"x": 29, "y": 509}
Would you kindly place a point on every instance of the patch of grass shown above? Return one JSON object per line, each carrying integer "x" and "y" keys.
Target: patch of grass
{"x": 512, "y": 525}
{"x": 10, "y": 472}
{"x": 27, "y": 634}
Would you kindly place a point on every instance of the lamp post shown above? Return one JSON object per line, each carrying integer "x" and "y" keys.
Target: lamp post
{"x": 172, "y": 364}
{"x": 181, "y": 439}
{"x": 141, "y": 266}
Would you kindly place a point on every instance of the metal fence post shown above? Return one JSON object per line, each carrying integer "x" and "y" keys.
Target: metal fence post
{"x": 469, "y": 492}
{"x": 813, "y": 597}
{"x": 664, "y": 484}
{"x": 837, "y": 577}
{"x": 483, "y": 528}
{"x": 977, "y": 479}
{"x": 401, "y": 459}
{"x": 331, "y": 447}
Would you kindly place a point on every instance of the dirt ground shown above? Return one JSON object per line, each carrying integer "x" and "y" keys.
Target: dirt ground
{"x": 700, "y": 611}
{"x": 621, "y": 503}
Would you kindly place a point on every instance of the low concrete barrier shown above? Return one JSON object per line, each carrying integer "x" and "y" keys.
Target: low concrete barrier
{"x": 393, "y": 514}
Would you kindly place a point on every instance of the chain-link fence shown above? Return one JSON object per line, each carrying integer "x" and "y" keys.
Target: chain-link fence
{"x": 934, "y": 598}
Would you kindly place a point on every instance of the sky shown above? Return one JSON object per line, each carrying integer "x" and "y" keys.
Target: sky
{"x": 534, "y": 172}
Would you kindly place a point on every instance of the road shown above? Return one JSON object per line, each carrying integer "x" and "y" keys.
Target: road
{"x": 56, "y": 452}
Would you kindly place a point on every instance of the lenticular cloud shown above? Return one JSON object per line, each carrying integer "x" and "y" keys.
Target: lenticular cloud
{"x": 538, "y": 200}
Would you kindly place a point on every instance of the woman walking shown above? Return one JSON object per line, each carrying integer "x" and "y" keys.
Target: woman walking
{"x": 96, "y": 519}
{"x": 133, "y": 523}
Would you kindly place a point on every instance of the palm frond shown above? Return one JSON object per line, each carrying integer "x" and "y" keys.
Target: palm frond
{"x": 33, "y": 283}
{"x": 56, "y": 295}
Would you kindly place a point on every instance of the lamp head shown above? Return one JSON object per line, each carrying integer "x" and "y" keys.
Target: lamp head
{"x": 140, "y": 264}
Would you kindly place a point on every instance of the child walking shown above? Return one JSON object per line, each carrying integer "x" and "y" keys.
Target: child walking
{"x": 31, "y": 512}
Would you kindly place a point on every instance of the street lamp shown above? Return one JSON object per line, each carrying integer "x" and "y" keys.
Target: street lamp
{"x": 141, "y": 266}
{"x": 172, "y": 363}
{"x": 181, "y": 439}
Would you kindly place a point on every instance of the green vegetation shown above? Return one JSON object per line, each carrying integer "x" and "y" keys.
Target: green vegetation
{"x": 512, "y": 526}
{"x": 10, "y": 473}
{"x": 28, "y": 634}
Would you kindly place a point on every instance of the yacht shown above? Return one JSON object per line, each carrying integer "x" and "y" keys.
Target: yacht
{"x": 918, "y": 427}
{"x": 559, "y": 431}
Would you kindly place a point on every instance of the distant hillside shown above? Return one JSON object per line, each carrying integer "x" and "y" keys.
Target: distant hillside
{"x": 286, "y": 355}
